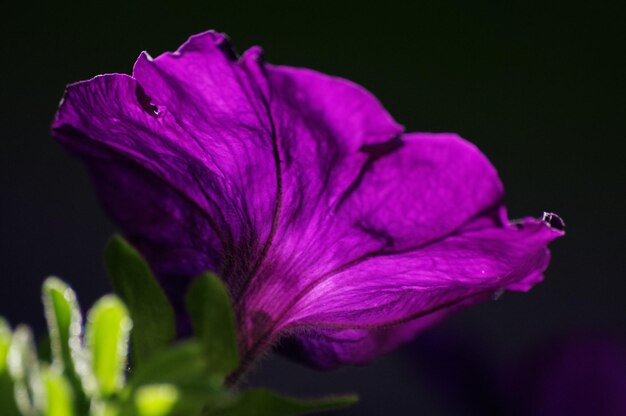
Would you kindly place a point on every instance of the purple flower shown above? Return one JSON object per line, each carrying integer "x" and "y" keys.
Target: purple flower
{"x": 335, "y": 231}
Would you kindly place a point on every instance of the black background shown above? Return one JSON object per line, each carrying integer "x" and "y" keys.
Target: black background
{"x": 540, "y": 89}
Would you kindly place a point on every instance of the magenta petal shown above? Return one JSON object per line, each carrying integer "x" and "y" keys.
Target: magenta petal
{"x": 411, "y": 191}
{"x": 300, "y": 190}
{"x": 329, "y": 348}
{"x": 390, "y": 288}
{"x": 431, "y": 185}
{"x": 384, "y": 301}
{"x": 203, "y": 125}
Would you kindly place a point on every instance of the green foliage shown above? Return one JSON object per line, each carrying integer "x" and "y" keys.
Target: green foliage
{"x": 86, "y": 374}
{"x": 107, "y": 332}
{"x": 64, "y": 339}
{"x": 5, "y": 343}
{"x": 156, "y": 399}
{"x": 153, "y": 317}
{"x": 184, "y": 367}
{"x": 7, "y": 401}
{"x": 58, "y": 393}
{"x": 64, "y": 321}
{"x": 24, "y": 370}
{"x": 262, "y": 402}
{"x": 213, "y": 321}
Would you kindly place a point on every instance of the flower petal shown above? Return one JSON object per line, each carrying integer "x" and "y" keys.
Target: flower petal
{"x": 372, "y": 307}
{"x": 241, "y": 144}
{"x": 328, "y": 348}
{"x": 411, "y": 193}
{"x": 298, "y": 189}
{"x": 433, "y": 184}
{"x": 162, "y": 195}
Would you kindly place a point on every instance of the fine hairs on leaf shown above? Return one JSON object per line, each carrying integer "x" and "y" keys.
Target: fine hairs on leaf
{"x": 25, "y": 371}
{"x": 107, "y": 332}
{"x": 64, "y": 321}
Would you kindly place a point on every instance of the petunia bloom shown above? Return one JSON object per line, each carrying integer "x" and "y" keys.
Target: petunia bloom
{"x": 336, "y": 232}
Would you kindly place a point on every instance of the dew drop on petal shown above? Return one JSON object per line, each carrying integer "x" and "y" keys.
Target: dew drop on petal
{"x": 553, "y": 221}
{"x": 146, "y": 103}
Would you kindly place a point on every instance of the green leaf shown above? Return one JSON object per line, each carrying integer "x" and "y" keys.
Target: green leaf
{"x": 183, "y": 363}
{"x": 156, "y": 399}
{"x": 64, "y": 320}
{"x": 24, "y": 370}
{"x": 7, "y": 399}
{"x": 184, "y": 367}
{"x": 261, "y": 402}
{"x": 44, "y": 351}
{"x": 7, "y": 396}
{"x": 213, "y": 321}
{"x": 65, "y": 336}
{"x": 104, "y": 408}
{"x": 107, "y": 332}
{"x": 5, "y": 343}
{"x": 153, "y": 317}
{"x": 58, "y": 393}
